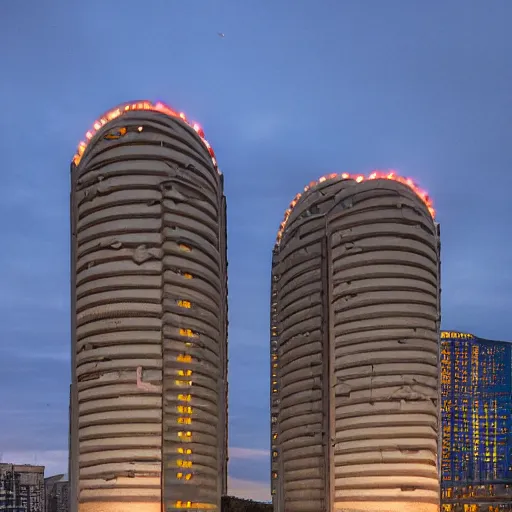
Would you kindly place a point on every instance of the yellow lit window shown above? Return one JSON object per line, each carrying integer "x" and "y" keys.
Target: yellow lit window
{"x": 184, "y": 434}
{"x": 185, "y": 373}
{"x": 184, "y": 358}
{"x": 185, "y": 421}
{"x": 184, "y": 463}
{"x": 116, "y": 134}
{"x": 274, "y": 436}
{"x": 179, "y": 475}
{"x": 188, "y": 476}
{"x": 183, "y": 382}
{"x": 186, "y": 275}
{"x": 187, "y": 451}
{"x": 184, "y": 304}
{"x": 274, "y": 358}
{"x": 184, "y": 409}
{"x": 194, "y": 505}
{"x": 184, "y": 398}
{"x": 188, "y": 333}
{"x": 184, "y": 248}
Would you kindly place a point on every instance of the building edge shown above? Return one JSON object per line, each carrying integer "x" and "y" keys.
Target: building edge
{"x": 224, "y": 459}
{"x": 73, "y": 393}
{"x": 439, "y": 348}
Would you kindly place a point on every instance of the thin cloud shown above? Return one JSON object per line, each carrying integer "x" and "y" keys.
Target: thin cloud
{"x": 13, "y": 299}
{"x": 248, "y": 489}
{"x": 54, "y": 461}
{"x": 41, "y": 355}
{"x": 261, "y": 127}
{"x": 248, "y": 453}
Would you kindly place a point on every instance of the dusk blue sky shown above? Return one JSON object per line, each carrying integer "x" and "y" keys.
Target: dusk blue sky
{"x": 296, "y": 89}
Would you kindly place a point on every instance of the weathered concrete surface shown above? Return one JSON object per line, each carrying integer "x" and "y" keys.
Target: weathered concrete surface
{"x": 150, "y": 320}
{"x": 395, "y": 507}
{"x": 356, "y": 279}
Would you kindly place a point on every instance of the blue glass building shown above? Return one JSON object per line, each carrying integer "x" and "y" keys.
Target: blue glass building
{"x": 476, "y": 416}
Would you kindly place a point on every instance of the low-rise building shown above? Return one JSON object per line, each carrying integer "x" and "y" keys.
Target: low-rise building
{"x": 57, "y": 493}
{"x": 21, "y": 488}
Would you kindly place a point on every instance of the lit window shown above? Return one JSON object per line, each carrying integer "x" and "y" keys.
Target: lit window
{"x": 188, "y": 333}
{"x": 184, "y": 421}
{"x": 186, "y": 275}
{"x": 184, "y": 358}
{"x": 184, "y": 398}
{"x": 196, "y": 506}
{"x": 184, "y": 304}
{"x": 115, "y": 134}
{"x": 184, "y": 248}
{"x": 184, "y": 463}
{"x": 183, "y": 382}
{"x": 185, "y": 373}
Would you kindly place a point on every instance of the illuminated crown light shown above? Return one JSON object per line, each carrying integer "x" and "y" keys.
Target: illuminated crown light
{"x": 134, "y": 106}
{"x": 390, "y": 175}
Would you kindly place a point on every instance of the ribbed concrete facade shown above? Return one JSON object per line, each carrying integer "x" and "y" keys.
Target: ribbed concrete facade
{"x": 354, "y": 351}
{"x": 149, "y": 319}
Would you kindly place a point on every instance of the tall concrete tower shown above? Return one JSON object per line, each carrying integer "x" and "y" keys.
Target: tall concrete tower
{"x": 149, "y": 316}
{"x": 355, "y": 349}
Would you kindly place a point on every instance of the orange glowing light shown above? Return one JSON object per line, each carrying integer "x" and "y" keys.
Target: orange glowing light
{"x": 140, "y": 105}
{"x": 188, "y": 333}
{"x": 183, "y": 382}
{"x": 194, "y": 505}
{"x": 388, "y": 175}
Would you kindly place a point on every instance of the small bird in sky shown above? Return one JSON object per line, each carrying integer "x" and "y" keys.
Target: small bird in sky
{"x": 221, "y": 34}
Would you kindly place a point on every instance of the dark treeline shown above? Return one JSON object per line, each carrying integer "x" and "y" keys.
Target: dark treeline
{"x": 231, "y": 504}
